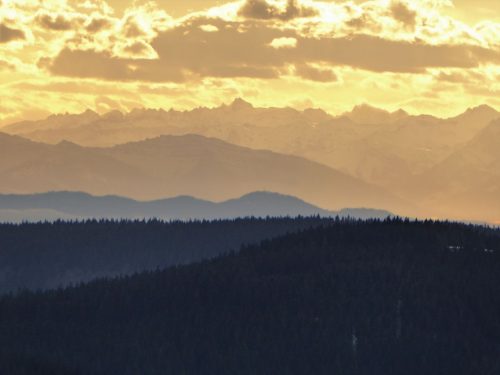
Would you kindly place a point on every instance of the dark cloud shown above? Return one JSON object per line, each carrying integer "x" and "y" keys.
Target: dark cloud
{"x": 98, "y": 24}
{"x": 137, "y": 48}
{"x": 91, "y": 64}
{"x": 360, "y": 22}
{"x": 261, "y": 9}
{"x": 315, "y": 74}
{"x": 381, "y": 55}
{"x": 234, "y": 45}
{"x": 56, "y": 23}
{"x": 8, "y": 34}
{"x": 403, "y": 14}
{"x": 243, "y": 50}
{"x": 460, "y": 77}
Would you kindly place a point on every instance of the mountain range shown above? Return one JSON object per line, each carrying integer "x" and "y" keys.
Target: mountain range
{"x": 411, "y": 165}
{"x": 78, "y": 206}
{"x": 169, "y": 166}
{"x": 377, "y": 146}
{"x": 467, "y": 181}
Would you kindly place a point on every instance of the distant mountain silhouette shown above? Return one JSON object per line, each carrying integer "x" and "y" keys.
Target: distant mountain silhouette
{"x": 74, "y": 205}
{"x": 366, "y": 114}
{"x": 170, "y": 166}
{"x": 467, "y": 183}
{"x": 369, "y": 143}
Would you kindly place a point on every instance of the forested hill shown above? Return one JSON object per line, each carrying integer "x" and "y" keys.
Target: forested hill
{"x": 360, "y": 298}
{"x": 49, "y": 255}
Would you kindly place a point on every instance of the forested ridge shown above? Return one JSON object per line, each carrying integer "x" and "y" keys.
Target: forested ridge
{"x": 49, "y": 255}
{"x": 377, "y": 297}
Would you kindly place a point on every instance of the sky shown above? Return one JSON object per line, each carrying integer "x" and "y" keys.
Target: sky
{"x": 425, "y": 56}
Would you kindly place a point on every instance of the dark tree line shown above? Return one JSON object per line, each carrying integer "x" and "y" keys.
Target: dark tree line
{"x": 50, "y": 255}
{"x": 374, "y": 298}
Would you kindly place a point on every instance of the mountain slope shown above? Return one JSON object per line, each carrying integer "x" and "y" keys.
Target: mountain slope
{"x": 468, "y": 181}
{"x": 183, "y": 165}
{"x": 27, "y": 167}
{"x": 51, "y": 255}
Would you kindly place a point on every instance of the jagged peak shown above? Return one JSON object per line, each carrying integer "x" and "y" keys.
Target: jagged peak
{"x": 239, "y": 104}
{"x": 316, "y": 113}
{"x": 400, "y": 112}
{"x": 67, "y": 144}
{"x": 89, "y": 112}
{"x": 483, "y": 111}
{"x": 483, "y": 108}
{"x": 365, "y": 107}
{"x": 366, "y": 113}
{"x": 143, "y": 110}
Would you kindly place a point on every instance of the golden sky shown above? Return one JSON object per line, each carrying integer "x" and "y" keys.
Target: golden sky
{"x": 426, "y": 56}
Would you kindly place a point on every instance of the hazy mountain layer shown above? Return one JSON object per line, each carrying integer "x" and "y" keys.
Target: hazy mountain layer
{"x": 170, "y": 166}
{"x": 78, "y": 206}
{"x": 468, "y": 181}
{"x": 369, "y": 143}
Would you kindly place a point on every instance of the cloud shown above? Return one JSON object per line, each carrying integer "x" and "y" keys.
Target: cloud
{"x": 471, "y": 81}
{"x": 183, "y": 52}
{"x": 255, "y": 50}
{"x": 5, "y": 65}
{"x": 209, "y": 28}
{"x": 271, "y": 38}
{"x": 98, "y": 24}
{"x": 459, "y": 76}
{"x": 58, "y": 22}
{"x": 404, "y": 14}
{"x": 133, "y": 29}
{"x": 284, "y": 43}
{"x": 8, "y": 34}
{"x": 381, "y": 55}
{"x": 261, "y": 9}
{"x": 93, "y": 64}
{"x": 139, "y": 49}
{"x": 363, "y": 21}
{"x": 313, "y": 73}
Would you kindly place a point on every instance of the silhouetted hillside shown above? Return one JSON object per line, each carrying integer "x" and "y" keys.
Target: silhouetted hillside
{"x": 79, "y": 206}
{"x": 394, "y": 297}
{"x": 49, "y": 255}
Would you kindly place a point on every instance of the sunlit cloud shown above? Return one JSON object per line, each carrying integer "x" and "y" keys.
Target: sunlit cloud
{"x": 268, "y": 9}
{"x": 209, "y": 28}
{"x": 284, "y": 42}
